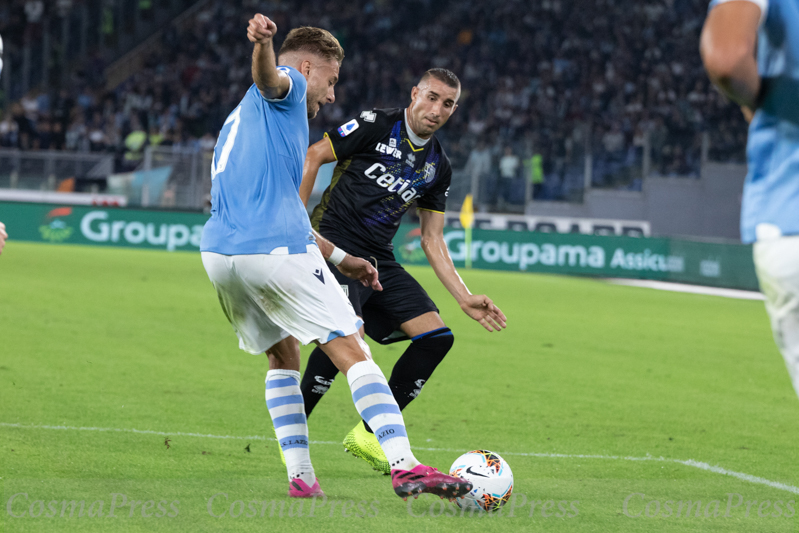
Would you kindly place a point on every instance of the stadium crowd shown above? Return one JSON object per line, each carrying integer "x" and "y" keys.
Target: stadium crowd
{"x": 542, "y": 82}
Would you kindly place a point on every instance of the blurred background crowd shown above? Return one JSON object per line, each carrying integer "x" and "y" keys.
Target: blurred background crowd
{"x": 619, "y": 81}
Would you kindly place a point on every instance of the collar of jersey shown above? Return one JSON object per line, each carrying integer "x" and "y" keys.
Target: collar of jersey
{"x": 414, "y": 139}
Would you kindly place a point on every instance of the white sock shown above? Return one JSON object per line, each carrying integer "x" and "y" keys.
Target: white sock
{"x": 377, "y": 406}
{"x": 287, "y": 409}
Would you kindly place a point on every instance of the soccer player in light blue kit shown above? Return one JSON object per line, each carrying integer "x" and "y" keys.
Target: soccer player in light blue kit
{"x": 268, "y": 267}
{"x": 750, "y": 49}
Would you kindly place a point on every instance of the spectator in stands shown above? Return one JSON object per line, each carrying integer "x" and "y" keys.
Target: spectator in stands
{"x": 547, "y": 68}
{"x": 534, "y": 172}
{"x": 9, "y": 132}
{"x": 134, "y": 144}
{"x": 478, "y": 167}
{"x": 508, "y": 172}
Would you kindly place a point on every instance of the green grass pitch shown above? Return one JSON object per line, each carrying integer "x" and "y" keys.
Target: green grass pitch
{"x": 115, "y": 339}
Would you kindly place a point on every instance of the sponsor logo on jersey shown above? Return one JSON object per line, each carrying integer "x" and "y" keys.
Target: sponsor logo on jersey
{"x": 411, "y": 161}
{"x": 392, "y": 142}
{"x": 399, "y": 186}
{"x": 348, "y": 128}
{"x": 388, "y": 150}
{"x": 368, "y": 116}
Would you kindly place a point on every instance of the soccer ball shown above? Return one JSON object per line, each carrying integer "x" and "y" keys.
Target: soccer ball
{"x": 491, "y": 478}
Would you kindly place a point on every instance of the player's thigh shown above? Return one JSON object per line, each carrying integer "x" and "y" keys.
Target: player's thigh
{"x": 354, "y": 290}
{"x": 241, "y": 303}
{"x": 403, "y": 306}
{"x": 422, "y": 324}
{"x": 777, "y": 265}
{"x": 304, "y": 298}
{"x": 284, "y": 355}
{"x": 346, "y": 351}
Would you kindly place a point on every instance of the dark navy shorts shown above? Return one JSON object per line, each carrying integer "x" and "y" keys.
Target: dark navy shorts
{"x": 401, "y": 300}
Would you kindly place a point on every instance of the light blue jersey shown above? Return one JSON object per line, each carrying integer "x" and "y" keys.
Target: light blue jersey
{"x": 771, "y": 191}
{"x": 256, "y": 173}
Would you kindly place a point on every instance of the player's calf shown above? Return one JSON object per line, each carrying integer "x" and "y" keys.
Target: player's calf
{"x": 417, "y": 364}
{"x": 319, "y": 375}
{"x": 284, "y": 401}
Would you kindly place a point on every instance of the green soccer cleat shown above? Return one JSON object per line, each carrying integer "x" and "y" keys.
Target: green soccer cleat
{"x": 364, "y": 445}
{"x": 279, "y": 449}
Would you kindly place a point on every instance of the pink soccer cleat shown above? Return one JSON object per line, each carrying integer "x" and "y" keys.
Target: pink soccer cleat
{"x": 300, "y": 489}
{"x": 428, "y": 480}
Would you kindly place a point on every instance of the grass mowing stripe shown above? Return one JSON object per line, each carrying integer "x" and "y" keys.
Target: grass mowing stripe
{"x": 690, "y": 462}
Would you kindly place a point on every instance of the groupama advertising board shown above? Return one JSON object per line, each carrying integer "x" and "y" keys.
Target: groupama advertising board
{"x": 715, "y": 264}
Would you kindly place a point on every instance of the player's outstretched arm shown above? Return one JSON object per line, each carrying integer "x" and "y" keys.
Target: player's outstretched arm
{"x": 318, "y": 154}
{"x": 478, "y": 306}
{"x": 272, "y": 83}
{"x": 352, "y": 267}
{"x": 727, "y": 45}
{"x": 3, "y": 236}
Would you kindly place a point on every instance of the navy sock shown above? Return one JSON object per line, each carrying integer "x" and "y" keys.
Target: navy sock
{"x": 319, "y": 375}
{"x": 417, "y": 364}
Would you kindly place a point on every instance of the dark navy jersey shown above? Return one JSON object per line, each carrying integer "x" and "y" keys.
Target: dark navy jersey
{"x": 379, "y": 174}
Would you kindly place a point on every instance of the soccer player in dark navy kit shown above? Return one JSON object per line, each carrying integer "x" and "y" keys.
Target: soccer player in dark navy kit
{"x": 387, "y": 160}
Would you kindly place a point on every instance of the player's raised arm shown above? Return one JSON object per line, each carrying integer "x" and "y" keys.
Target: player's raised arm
{"x": 272, "y": 83}
{"x": 318, "y": 154}
{"x": 478, "y": 306}
{"x": 727, "y": 45}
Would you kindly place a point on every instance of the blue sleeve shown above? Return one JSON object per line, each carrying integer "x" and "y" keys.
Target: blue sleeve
{"x": 297, "y": 88}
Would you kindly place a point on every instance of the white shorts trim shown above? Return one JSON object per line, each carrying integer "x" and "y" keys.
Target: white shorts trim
{"x": 268, "y": 297}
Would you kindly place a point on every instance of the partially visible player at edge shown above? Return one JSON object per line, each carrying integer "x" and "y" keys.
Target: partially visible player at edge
{"x": 750, "y": 49}
{"x": 387, "y": 160}
{"x": 271, "y": 279}
{"x": 3, "y": 234}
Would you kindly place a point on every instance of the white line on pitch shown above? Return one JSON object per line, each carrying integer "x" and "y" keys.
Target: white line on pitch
{"x": 683, "y": 287}
{"x": 690, "y": 462}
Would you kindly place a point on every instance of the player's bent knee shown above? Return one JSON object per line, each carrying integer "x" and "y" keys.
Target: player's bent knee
{"x": 346, "y": 351}
{"x": 436, "y": 343}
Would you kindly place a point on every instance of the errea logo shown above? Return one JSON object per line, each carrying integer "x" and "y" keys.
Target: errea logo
{"x": 388, "y": 150}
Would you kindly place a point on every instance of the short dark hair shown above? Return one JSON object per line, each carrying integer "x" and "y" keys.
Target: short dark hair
{"x": 443, "y": 75}
{"x": 314, "y": 40}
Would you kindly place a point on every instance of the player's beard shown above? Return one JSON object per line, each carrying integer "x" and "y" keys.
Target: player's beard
{"x": 314, "y": 105}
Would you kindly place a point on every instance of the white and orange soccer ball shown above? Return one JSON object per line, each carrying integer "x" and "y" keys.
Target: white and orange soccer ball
{"x": 491, "y": 478}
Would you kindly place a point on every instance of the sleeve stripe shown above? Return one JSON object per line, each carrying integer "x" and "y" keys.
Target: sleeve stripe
{"x": 331, "y": 145}
{"x": 276, "y": 100}
{"x": 431, "y": 210}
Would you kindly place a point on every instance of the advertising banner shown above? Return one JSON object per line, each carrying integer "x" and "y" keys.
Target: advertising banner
{"x": 700, "y": 263}
{"x": 721, "y": 265}
{"x": 166, "y": 230}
